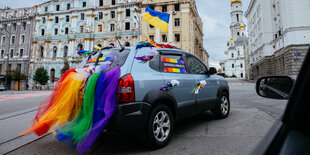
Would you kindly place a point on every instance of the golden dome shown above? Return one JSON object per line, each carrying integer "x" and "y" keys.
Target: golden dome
{"x": 235, "y": 1}
{"x": 241, "y": 26}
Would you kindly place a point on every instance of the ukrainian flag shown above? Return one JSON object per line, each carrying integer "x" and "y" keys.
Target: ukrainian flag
{"x": 157, "y": 19}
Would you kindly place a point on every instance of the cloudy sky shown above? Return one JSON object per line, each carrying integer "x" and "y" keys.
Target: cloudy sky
{"x": 215, "y": 15}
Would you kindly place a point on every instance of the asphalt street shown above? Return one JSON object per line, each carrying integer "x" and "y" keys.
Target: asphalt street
{"x": 250, "y": 118}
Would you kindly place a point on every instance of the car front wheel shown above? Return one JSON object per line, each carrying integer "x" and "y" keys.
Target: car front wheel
{"x": 160, "y": 126}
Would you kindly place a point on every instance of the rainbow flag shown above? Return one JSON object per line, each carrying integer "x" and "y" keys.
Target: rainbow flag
{"x": 101, "y": 59}
{"x": 172, "y": 60}
{"x": 174, "y": 70}
{"x": 157, "y": 19}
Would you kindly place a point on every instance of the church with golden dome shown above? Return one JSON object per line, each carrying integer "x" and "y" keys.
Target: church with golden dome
{"x": 235, "y": 64}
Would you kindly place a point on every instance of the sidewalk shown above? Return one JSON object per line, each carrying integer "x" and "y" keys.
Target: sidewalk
{"x": 11, "y": 95}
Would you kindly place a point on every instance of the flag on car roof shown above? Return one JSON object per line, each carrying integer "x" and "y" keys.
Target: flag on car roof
{"x": 157, "y": 19}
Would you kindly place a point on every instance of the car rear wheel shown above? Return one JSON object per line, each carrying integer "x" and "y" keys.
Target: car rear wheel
{"x": 222, "y": 107}
{"x": 160, "y": 127}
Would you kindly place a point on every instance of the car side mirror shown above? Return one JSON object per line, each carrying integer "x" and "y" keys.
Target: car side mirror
{"x": 275, "y": 87}
{"x": 212, "y": 70}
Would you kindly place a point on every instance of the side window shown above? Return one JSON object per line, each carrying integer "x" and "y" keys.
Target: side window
{"x": 173, "y": 63}
{"x": 195, "y": 66}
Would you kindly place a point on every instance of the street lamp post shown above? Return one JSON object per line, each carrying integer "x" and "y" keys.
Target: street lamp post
{"x": 7, "y": 61}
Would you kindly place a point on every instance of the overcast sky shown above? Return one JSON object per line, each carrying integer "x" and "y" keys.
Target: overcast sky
{"x": 215, "y": 15}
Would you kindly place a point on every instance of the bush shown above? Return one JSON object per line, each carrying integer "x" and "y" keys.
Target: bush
{"x": 40, "y": 76}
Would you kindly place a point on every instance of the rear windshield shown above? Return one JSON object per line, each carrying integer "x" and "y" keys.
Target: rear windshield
{"x": 111, "y": 58}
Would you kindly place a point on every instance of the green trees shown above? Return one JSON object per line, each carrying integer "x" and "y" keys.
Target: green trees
{"x": 66, "y": 67}
{"x": 41, "y": 76}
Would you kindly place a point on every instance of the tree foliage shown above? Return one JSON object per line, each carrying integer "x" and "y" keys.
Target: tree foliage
{"x": 66, "y": 66}
{"x": 41, "y": 76}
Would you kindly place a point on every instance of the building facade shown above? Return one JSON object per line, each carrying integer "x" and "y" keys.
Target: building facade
{"x": 279, "y": 36}
{"x": 65, "y": 26}
{"x": 15, "y": 42}
{"x": 235, "y": 65}
{"x": 185, "y": 26}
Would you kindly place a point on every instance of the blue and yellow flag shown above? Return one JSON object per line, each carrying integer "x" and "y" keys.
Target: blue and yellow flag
{"x": 157, "y": 19}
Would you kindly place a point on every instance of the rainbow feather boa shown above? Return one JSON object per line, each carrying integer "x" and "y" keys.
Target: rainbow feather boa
{"x": 78, "y": 119}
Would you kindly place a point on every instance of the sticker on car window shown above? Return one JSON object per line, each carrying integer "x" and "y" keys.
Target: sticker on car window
{"x": 174, "y": 70}
{"x": 101, "y": 59}
{"x": 172, "y": 60}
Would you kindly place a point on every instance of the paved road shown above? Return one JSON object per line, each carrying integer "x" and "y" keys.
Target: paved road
{"x": 250, "y": 118}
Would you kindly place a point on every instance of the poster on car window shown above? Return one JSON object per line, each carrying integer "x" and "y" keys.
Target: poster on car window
{"x": 173, "y": 65}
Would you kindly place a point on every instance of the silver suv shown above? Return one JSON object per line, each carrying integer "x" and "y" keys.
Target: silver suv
{"x": 149, "y": 103}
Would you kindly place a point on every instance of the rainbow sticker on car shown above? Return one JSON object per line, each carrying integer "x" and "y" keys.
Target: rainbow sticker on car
{"x": 101, "y": 59}
{"x": 172, "y": 60}
{"x": 174, "y": 70}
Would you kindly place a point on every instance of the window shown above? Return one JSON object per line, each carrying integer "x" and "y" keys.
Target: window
{"x": 127, "y": 12}
{"x": 177, "y": 7}
{"x": 13, "y": 40}
{"x": 127, "y": 26}
{"x": 68, "y": 6}
{"x": 14, "y": 27}
{"x": 100, "y": 2}
{"x": 112, "y": 14}
{"x": 2, "y": 53}
{"x": 84, "y": 4}
{"x": 164, "y": 8}
{"x": 57, "y": 7}
{"x": 151, "y": 26}
{"x": 54, "y": 52}
{"x": 152, "y": 37}
{"x": 232, "y": 65}
{"x": 237, "y": 17}
{"x": 41, "y": 52}
{"x": 127, "y": 44}
{"x": 177, "y": 38}
{"x": 195, "y": 66}
{"x": 100, "y": 15}
{"x": 19, "y": 68}
{"x": 46, "y": 8}
{"x": 241, "y": 75}
{"x": 113, "y": 2}
{"x": 21, "y": 52}
{"x": 177, "y": 22}
{"x": 42, "y": 32}
{"x": 99, "y": 28}
{"x": 238, "y": 53}
{"x": 52, "y": 76}
{"x": 238, "y": 33}
{"x": 67, "y": 18}
{"x": 66, "y": 30}
{"x": 241, "y": 65}
{"x": 164, "y": 38}
{"x": 22, "y": 39}
{"x": 82, "y": 16}
{"x": 223, "y": 68}
{"x": 65, "y": 51}
{"x": 80, "y": 47}
{"x": 10, "y": 67}
{"x": 56, "y": 31}
{"x": 24, "y": 25}
{"x": 11, "y": 53}
{"x": 112, "y": 28}
{"x": 232, "y": 55}
{"x": 81, "y": 29}
{"x": 3, "y": 41}
{"x": 56, "y": 19}
{"x": 43, "y": 20}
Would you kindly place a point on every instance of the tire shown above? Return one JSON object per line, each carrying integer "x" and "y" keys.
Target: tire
{"x": 222, "y": 107}
{"x": 160, "y": 127}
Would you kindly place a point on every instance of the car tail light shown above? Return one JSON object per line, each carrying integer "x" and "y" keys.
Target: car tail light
{"x": 126, "y": 89}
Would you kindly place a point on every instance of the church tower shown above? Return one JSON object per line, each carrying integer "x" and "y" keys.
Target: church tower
{"x": 237, "y": 26}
